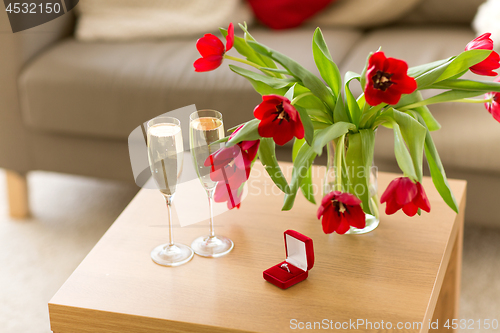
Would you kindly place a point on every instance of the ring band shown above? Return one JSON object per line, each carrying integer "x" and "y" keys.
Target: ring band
{"x": 285, "y": 266}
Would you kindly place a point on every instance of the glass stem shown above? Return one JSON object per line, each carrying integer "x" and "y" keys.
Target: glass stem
{"x": 169, "y": 212}
{"x": 210, "y": 207}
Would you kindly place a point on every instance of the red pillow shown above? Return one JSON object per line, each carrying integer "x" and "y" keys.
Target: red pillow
{"x": 284, "y": 14}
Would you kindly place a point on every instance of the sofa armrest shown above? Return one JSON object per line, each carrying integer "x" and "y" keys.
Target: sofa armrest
{"x": 17, "y": 50}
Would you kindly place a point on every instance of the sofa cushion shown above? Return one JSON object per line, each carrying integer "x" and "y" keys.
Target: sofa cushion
{"x": 108, "y": 89}
{"x": 443, "y": 12}
{"x": 146, "y": 19}
{"x": 362, "y": 13}
{"x": 468, "y": 139}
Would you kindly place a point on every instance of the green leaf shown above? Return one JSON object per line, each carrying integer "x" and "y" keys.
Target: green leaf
{"x": 249, "y": 132}
{"x": 363, "y": 72}
{"x": 419, "y": 70}
{"x": 447, "y": 96}
{"x": 245, "y": 50}
{"x": 307, "y": 187}
{"x": 352, "y": 105}
{"x": 267, "y": 155}
{"x": 459, "y": 75}
{"x": 431, "y": 122}
{"x": 414, "y": 136}
{"x": 272, "y": 82}
{"x": 340, "y": 113}
{"x": 297, "y": 144}
{"x": 319, "y": 125}
{"x": 225, "y": 139}
{"x": 403, "y": 157}
{"x": 289, "y": 93}
{"x": 369, "y": 118}
{"x": 361, "y": 102}
{"x": 320, "y": 115}
{"x": 469, "y": 85}
{"x": 301, "y": 165}
{"x": 359, "y": 159}
{"x": 307, "y": 123}
{"x": 415, "y": 97}
{"x": 463, "y": 62}
{"x": 448, "y": 68}
{"x": 323, "y": 59}
{"x": 309, "y": 101}
{"x": 306, "y": 184}
{"x": 309, "y": 80}
{"x": 232, "y": 129}
{"x": 275, "y": 70}
{"x": 326, "y": 135}
{"x": 437, "y": 171}
{"x": 432, "y": 75}
{"x": 259, "y": 86}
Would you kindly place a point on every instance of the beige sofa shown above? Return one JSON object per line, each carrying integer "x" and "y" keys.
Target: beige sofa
{"x": 68, "y": 106}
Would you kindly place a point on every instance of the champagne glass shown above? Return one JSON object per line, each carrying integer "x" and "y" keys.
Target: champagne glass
{"x": 206, "y": 127}
{"x": 165, "y": 153}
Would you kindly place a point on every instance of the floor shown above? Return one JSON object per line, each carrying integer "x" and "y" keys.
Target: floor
{"x": 71, "y": 214}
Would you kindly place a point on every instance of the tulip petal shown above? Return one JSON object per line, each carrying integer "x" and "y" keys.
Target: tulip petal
{"x": 207, "y": 64}
{"x": 377, "y": 60}
{"x": 392, "y": 206}
{"x": 330, "y": 221}
{"x": 348, "y": 199}
{"x": 410, "y": 209}
{"x": 406, "y": 191}
{"x": 356, "y": 217}
{"x": 483, "y": 42}
{"x": 210, "y": 45}
{"x": 343, "y": 226}
{"x": 389, "y": 191}
{"x": 319, "y": 213}
{"x": 230, "y": 37}
{"x": 328, "y": 197}
{"x": 421, "y": 200}
{"x": 263, "y": 108}
{"x": 298, "y": 130}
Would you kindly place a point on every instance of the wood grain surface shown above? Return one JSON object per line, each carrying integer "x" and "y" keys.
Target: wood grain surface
{"x": 394, "y": 273}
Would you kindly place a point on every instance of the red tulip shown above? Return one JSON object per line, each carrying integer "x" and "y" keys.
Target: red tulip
{"x": 493, "y": 107}
{"x": 404, "y": 193}
{"x": 224, "y": 192}
{"x": 224, "y": 167}
{"x": 249, "y": 150}
{"x": 279, "y": 119}
{"x": 486, "y": 66}
{"x": 230, "y": 167}
{"x": 387, "y": 80}
{"x": 212, "y": 50}
{"x": 340, "y": 211}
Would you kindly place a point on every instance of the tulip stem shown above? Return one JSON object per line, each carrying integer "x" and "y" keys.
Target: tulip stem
{"x": 339, "y": 152}
{"x": 461, "y": 100}
{"x": 295, "y": 100}
{"x": 244, "y": 61}
{"x": 473, "y": 100}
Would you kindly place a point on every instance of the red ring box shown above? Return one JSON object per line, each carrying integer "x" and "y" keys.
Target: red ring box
{"x": 299, "y": 257}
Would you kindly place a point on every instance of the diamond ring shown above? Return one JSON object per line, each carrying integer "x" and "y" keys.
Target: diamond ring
{"x": 285, "y": 266}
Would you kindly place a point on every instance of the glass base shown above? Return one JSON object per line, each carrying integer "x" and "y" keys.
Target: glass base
{"x": 212, "y": 247}
{"x": 171, "y": 255}
{"x": 371, "y": 223}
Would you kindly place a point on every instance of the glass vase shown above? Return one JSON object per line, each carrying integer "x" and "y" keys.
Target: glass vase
{"x": 357, "y": 178}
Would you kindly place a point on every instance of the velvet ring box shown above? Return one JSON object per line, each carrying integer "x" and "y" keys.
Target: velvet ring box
{"x": 299, "y": 260}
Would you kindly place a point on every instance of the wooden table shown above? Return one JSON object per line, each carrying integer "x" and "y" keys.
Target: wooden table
{"x": 405, "y": 271}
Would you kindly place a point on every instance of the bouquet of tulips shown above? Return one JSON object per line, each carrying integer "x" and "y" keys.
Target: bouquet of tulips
{"x": 298, "y": 105}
